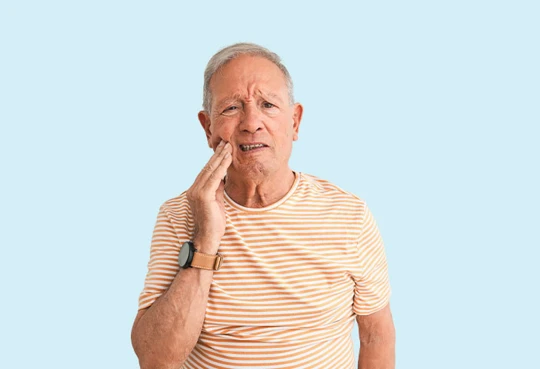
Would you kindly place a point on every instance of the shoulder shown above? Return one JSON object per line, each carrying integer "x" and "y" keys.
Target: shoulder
{"x": 334, "y": 204}
{"x": 316, "y": 190}
{"x": 324, "y": 189}
{"x": 176, "y": 206}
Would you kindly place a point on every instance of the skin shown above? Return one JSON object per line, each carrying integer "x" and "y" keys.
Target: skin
{"x": 250, "y": 103}
{"x": 164, "y": 334}
{"x": 377, "y": 340}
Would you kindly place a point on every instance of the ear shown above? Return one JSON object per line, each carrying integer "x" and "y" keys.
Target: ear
{"x": 204, "y": 118}
{"x": 298, "y": 109}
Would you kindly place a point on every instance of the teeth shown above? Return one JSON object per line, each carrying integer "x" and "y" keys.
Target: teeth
{"x": 250, "y": 147}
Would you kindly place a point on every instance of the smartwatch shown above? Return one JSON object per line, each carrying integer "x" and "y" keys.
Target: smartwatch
{"x": 189, "y": 257}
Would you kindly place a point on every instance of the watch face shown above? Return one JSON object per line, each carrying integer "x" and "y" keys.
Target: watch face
{"x": 184, "y": 254}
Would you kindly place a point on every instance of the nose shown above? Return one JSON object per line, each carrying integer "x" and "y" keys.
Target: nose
{"x": 252, "y": 120}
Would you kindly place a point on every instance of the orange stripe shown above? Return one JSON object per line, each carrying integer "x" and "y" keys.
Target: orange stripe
{"x": 293, "y": 278}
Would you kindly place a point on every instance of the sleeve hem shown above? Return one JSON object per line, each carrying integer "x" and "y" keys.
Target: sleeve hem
{"x": 378, "y": 307}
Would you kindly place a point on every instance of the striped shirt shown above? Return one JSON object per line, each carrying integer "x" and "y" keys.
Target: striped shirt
{"x": 294, "y": 276}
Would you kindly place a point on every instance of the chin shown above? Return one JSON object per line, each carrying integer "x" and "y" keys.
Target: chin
{"x": 253, "y": 169}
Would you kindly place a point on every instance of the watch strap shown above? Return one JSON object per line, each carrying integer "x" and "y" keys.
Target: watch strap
{"x": 206, "y": 261}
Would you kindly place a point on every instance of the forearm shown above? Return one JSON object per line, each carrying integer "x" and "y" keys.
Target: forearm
{"x": 167, "y": 332}
{"x": 378, "y": 354}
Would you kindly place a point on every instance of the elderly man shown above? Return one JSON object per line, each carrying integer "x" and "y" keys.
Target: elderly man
{"x": 257, "y": 265}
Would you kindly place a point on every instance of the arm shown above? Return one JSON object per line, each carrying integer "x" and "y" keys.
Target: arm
{"x": 164, "y": 334}
{"x": 371, "y": 300}
{"x": 377, "y": 340}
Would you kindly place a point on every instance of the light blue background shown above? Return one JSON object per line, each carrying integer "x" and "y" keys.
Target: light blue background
{"x": 429, "y": 110}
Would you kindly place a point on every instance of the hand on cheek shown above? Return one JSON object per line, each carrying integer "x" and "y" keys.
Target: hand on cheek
{"x": 217, "y": 139}
{"x": 214, "y": 142}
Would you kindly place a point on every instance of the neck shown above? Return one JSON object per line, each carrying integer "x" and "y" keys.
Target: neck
{"x": 253, "y": 192}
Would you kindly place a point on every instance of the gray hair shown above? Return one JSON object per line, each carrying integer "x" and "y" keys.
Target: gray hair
{"x": 227, "y": 54}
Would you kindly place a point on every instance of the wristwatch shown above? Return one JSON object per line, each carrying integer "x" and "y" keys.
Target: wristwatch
{"x": 190, "y": 257}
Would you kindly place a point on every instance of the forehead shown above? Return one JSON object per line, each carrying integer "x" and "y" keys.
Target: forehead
{"x": 246, "y": 76}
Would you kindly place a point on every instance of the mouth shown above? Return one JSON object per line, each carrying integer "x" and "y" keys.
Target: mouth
{"x": 252, "y": 147}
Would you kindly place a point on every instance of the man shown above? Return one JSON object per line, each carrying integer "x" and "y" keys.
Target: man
{"x": 257, "y": 265}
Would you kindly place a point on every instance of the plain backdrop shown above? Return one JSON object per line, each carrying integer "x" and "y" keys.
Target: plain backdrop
{"x": 428, "y": 110}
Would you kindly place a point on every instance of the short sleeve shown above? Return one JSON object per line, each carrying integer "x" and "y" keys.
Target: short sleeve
{"x": 372, "y": 286}
{"x": 163, "y": 263}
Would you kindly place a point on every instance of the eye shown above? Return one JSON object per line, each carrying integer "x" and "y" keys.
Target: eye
{"x": 268, "y": 105}
{"x": 230, "y": 109}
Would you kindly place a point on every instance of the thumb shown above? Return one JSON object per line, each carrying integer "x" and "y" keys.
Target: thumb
{"x": 220, "y": 191}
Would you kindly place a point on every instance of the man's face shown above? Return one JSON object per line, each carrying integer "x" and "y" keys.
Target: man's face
{"x": 250, "y": 105}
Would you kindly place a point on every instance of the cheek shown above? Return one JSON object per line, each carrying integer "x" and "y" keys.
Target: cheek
{"x": 222, "y": 131}
{"x": 289, "y": 133}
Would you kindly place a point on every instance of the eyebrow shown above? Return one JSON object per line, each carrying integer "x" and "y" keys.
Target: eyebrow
{"x": 228, "y": 99}
{"x": 273, "y": 95}
{"x": 237, "y": 96}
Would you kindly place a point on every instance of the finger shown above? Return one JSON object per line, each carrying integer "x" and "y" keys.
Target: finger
{"x": 220, "y": 191}
{"x": 218, "y": 144}
{"x": 212, "y": 164}
{"x": 214, "y": 179}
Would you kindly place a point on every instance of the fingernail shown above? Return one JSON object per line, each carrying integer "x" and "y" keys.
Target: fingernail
{"x": 221, "y": 143}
